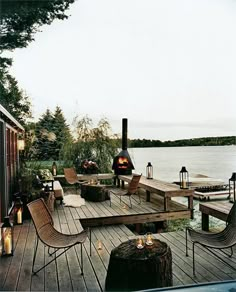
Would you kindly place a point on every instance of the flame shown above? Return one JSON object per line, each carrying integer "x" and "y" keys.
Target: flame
{"x": 123, "y": 162}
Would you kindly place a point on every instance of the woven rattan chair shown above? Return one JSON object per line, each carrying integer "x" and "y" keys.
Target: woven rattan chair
{"x": 220, "y": 241}
{"x": 72, "y": 178}
{"x": 131, "y": 190}
{"x": 49, "y": 236}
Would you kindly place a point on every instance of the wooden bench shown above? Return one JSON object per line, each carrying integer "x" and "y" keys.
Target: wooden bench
{"x": 219, "y": 210}
{"x": 56, "y": 188}
{"x": 164, "y": 189}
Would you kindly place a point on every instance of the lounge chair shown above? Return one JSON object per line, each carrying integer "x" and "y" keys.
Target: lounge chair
{"x": 51, "y": 237}
{"x": 132, "y": 189}
{"x": 72, "y": 178}
{"x": 225, "y": 239}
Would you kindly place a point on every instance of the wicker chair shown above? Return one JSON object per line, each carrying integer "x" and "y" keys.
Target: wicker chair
{"x": 72, "y": 178}
{"x": 225, "y": 239}
{"x": 132, "y": 189}
{"x": 49, "y": 236}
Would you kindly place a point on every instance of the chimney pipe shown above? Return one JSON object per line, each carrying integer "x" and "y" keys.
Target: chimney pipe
{"x": 124, "y": 134}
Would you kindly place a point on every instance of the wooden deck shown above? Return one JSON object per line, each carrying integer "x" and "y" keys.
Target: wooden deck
{"x": 64, "y": 274}
{"x": 217, "y": 209}
{"x": 94, "y": 214}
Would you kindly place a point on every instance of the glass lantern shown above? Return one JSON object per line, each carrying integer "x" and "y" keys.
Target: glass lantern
{"x": 232, "y": 183}
{"x": 18, "y": 211}
{"x": 149, "y": 170}
{"x": 184, "y": 178}
{"x": 54, "y": 169}
{"x": 7, "y": 237}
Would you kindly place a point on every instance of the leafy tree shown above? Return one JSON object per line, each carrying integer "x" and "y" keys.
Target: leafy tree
{"x": 21, "y": 19}
{"x": 92, "y": 143}
{"x": 11, "y": 97}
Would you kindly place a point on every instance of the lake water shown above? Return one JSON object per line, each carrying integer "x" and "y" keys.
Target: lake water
{"x": 214, "y": 161}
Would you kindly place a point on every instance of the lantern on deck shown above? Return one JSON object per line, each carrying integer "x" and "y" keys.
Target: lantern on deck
{"x": 184, "y": 178}
{"x": 54, "y": 169}
{"x": 149, "y": 170}
{"x": 18, "y": 211}
{"x": 7, "y": 237}
{"x": 232, "y": 183}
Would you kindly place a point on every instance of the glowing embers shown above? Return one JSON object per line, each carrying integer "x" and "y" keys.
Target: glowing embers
{"x": 122, "y": 162}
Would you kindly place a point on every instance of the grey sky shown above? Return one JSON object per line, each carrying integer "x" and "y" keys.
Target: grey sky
{"x": 169, "y": 66}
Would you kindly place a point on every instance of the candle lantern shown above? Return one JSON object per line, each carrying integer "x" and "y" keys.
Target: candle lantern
{"x": 18, "y": 211}
{"x": 184, "y": 178}
{"x": 149, "y": 238}
{"x": 7, "y": 237}
{"x": 21, "y": 144}
{"x": 140, "y": 243}
{"x": 232, "y": 184}
{"x": 54, "y": 169}
{"x": 149, "y": 170}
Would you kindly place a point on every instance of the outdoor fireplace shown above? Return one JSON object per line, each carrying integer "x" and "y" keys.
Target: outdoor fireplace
{"x": 122, "y": 163}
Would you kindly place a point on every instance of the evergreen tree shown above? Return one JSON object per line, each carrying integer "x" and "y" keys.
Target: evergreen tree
{"x": 62, "y": 132}
{"x": 11, "y": 97}
{"x": 52, "y": 133}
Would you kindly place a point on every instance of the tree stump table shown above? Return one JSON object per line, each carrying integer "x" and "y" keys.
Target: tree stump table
{"x": 131, "y": 268}
{"x": 94, "y": 193}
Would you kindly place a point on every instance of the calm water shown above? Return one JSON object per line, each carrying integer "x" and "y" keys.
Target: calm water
{"x": 214, "y": 161}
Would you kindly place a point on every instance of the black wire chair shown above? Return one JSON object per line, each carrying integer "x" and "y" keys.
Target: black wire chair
{"x": 223, "y": 240}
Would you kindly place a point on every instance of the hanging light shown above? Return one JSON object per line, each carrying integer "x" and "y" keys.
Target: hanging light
{"x": 21, "y": 144}
{"x": 149, "y": 171}
{"x": 232, "y": 183}
{"x": 18, "y": 211}
{"x": 184, "y": 178}
{"x": 7, "y": 237}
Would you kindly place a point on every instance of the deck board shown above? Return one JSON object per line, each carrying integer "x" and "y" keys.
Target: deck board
{"x": 65, "y": 273}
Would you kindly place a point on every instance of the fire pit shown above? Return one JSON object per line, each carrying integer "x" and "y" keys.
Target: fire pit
{"x": 122, "y": 163}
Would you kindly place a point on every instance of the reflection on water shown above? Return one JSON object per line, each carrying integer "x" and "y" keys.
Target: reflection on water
{"x": 214, "y": 161}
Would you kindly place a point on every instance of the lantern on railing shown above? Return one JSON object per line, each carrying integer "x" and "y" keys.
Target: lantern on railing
{"x": 54, "y": 169}
{"x": 7, "y": 237}
{"x": 184, "y": 178}
{"x": 232, "y": 183}
{"x": 18, "y": 211}
{"x": 149, "y": 171}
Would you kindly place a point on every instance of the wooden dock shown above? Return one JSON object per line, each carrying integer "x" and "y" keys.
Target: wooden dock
{"x": 64, "y": 274}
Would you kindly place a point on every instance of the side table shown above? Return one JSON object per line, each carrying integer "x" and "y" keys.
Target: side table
{"x": 94, "y": 193}
{"x": 131, "y": 268}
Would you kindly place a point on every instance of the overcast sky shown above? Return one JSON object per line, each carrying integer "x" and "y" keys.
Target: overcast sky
{"x": 169, "y": 66}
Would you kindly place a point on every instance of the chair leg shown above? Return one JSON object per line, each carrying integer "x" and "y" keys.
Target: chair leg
{"x": 186, "y": 243}
{"x": 90, "y": 239}
{"x": 81, "y": 254}
{"x": 193, "y": 261}
{"x": 35, "y": 251}
{"x": 130, "y": 202}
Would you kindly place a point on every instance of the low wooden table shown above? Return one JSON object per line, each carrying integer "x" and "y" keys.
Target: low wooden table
{"x": 94, "y": 193}
{"x": 131, "y": 268}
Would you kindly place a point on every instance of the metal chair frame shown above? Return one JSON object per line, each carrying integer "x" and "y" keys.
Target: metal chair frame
{"x": 220, "y": 241}
{"x": 52, "y": 238}
{"x": 132, "y": 189}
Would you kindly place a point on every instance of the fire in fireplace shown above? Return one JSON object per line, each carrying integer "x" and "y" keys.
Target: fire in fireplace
{"x": 122, "y": 163}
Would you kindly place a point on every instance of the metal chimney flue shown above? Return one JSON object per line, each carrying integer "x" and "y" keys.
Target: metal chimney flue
{"x": 124, "y": 134}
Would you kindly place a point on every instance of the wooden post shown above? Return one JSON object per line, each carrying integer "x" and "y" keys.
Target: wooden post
{"x": 148, "y": 196}
{"x": 205, "y": 222}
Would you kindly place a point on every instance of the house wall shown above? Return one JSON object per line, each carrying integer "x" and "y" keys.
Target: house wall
{"x": 9, "y": 160}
